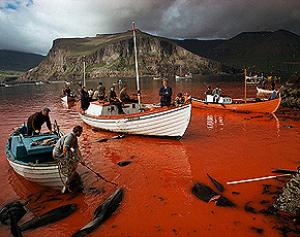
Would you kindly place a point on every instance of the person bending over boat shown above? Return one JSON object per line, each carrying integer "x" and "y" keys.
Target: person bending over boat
{"x": 165, "y": 94}
{"x": 124, "y": 97}
{"x": 113, "y": 99}
{"x": 101, "y": 91}
{"x": 36, "y": 120}
{"x": 67, "y": 152}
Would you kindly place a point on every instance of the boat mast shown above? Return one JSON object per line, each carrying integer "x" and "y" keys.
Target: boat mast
{"x": 84, "y": 83}
{"x": 136, "y": 64}
{"x": 245, "y": 85}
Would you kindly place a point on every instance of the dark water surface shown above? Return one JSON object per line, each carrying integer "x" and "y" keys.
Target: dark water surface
{"x": 158, "y": 200}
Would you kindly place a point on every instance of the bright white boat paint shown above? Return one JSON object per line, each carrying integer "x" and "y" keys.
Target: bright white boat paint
{"x": 43, "y": 174}
{"x": 263, "y": 91}
{"x": 171, "y": 122}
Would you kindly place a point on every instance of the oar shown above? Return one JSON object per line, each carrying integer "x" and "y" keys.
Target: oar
{"x": 258, "y": 179}
{"x": 110, "y": 138}
{"x": 284, "y": 171}
{"x": 98, "y": 175}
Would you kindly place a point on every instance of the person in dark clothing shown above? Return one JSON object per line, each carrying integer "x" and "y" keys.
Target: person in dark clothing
{"x": 165, "y": 94}
{"x": 124, "y": 97}
{"x": 101, "y": 91}
{"x": 84, "y": 99}
{"x": 208, "y": 91}
{"x": 179, "y": 100}
{"x": 36, "y": 120}
{"x": 66, "y": 90}
{"x": 113, "y": 99}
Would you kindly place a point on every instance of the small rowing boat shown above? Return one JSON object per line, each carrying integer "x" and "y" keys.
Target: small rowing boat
{"x": 240, "y": 105}
{"x": 31, "y": 157}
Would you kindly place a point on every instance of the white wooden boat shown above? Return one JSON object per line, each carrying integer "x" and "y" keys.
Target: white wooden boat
{"x": 34, "y": 162}
{"x": 264, "y": 91}
{"x": 139, "y": 119}
{"x": 185, "y": 77}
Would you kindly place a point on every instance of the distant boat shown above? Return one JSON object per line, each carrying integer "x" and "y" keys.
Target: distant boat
{"x": 138, "y": 118}
{"x": 38, "y": 83}
{"x": 183, "y": 77}
{"x": 32, "y": 159}
{"x": 238, "y": 105}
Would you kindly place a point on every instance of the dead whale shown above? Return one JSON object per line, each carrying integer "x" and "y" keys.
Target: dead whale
{"x": 49, "y": 217}
{"x": 124, "y": 163}
{"x": 217, "y": 184}
{"x": 206, "y": 194}
{"x": 102, "y": 213}
{"x": 14, "y": 209}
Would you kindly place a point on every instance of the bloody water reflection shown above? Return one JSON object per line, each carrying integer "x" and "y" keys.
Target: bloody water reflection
{"x": 158, "y": 200}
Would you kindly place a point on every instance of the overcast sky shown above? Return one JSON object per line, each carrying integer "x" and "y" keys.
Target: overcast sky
{"x": 32, "y": 25}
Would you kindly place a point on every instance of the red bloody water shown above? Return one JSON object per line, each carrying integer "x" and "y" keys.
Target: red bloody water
{"x": 158, "y": 200}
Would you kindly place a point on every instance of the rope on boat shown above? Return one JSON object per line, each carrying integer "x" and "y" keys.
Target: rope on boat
{"x": 66, "y": 167}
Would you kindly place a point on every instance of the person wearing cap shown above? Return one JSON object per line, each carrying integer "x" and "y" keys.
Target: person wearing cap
{"x": 36, "y": 120}
{"x": 165, "y": 94}
{"x": 67, "y": 148}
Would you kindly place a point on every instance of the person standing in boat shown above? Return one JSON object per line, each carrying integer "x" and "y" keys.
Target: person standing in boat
{"x": 124, "y": 97}
{"x": 36, "y": 120}
{"x": 84, "y": 99}
{"x": 165, "y": 94}
{"x": 67, "y": 152}
{"x": 217, "y": 92}
{"x": 208, "y": 91}
{"x": 113, "y": 99}
{"x": 101, "y": 91}
{"x": 66, "y": 90}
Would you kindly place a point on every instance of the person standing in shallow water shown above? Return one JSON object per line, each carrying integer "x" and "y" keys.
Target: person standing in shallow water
{"x": 165, "y": 94}
{"x": 67, "y": 150}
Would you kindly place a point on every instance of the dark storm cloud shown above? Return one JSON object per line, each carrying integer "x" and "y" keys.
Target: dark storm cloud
{"x": 32, "y": 25}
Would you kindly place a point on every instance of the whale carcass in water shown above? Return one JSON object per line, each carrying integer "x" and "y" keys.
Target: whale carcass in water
{"x": 54, "y": 215}
{"x": 102, "y": 213}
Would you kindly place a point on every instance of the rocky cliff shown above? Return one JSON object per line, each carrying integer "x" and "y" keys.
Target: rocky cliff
{"x": 111, "y": 55}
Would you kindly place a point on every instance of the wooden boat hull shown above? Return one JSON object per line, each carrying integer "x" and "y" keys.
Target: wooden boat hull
{"x": 42, "y": 174}
{"x": 268, "y": 106}
{"x": 163, "y": 122}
